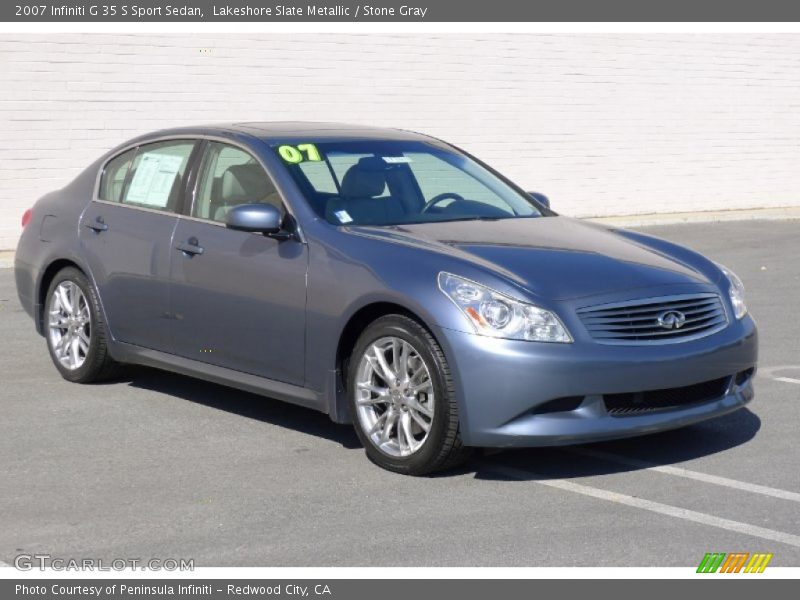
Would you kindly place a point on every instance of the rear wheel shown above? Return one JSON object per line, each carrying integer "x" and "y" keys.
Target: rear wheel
{"x": 402, "y": 398}
{"x": 75, "y": 330}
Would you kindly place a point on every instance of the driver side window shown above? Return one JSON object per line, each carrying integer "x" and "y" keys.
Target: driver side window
{"x": 230, "y": 176}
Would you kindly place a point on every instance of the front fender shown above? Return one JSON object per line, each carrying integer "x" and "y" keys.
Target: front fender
{"x": 340, "y": 286}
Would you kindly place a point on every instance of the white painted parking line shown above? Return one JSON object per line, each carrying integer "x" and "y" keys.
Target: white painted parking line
{"x": 649, "y": 505}
{"x": 772, "y": 373}
{"x": 686, "y": 473}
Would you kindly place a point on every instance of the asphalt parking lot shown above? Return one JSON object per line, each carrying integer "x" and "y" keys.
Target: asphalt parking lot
{"x": 162, "y": 466}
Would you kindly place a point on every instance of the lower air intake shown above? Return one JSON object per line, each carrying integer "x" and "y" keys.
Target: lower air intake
{"x": 634, "y": 403}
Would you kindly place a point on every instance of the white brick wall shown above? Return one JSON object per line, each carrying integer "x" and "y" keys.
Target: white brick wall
{"x": 604, "y": 124}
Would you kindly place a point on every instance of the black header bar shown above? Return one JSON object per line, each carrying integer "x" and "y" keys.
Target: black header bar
{"x": 399, "y": 11}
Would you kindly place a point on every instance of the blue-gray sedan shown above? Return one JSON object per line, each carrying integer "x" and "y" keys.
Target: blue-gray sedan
{"x": 386, "y": 278}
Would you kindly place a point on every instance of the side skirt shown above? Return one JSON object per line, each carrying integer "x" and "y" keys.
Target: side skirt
{"x": 128, "y": 353}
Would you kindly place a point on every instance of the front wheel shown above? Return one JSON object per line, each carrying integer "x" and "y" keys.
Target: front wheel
{"x": 402, "y": 398}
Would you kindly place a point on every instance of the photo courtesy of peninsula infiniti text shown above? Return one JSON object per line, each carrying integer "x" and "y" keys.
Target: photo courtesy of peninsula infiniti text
{"x": 383, "y": 277}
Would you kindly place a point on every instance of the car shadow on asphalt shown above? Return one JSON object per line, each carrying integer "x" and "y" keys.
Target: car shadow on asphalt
{"x": 665, "y": 448}
{"x": 245, "y": 404}
{"x": 658, "y": 449}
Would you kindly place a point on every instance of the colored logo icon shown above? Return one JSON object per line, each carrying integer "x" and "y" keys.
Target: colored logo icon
{"x": 736, "y": 562}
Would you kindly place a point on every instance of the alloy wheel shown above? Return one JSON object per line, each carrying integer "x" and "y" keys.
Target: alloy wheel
{"x": 394, "y": 396}
{"x": 69, "y": 321}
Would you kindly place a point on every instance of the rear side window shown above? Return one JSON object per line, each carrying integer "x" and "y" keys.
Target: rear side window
{"x": 156, "y": 175}
{"x": 114, "y": 175}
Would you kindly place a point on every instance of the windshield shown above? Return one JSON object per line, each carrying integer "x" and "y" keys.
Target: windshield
{"x": 398, "y": 182}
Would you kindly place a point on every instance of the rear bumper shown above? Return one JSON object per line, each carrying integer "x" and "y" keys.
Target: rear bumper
{"x": 25, "y": 279}
{"x": 501, "y": 383}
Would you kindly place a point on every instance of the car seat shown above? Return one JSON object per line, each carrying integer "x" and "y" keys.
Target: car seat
{"x": 361, "y": 195}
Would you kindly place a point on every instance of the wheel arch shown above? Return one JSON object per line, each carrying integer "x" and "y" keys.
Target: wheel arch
{"x": 54, "y": 266}
{"x": 48, "y": 274}
{"x": 352, "y": 330}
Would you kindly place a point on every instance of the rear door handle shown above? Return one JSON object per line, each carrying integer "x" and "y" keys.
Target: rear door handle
{"x": 98, "y": 225}
{"x": 191, "y": 247}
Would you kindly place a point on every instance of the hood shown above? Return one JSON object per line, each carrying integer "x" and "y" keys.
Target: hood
{"x": 552, "y": 257}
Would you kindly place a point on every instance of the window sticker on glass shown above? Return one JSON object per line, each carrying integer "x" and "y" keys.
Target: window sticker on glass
{"x": 299, "y": 153}
{"x": 153, "y": 180}
{"x": 396, "y": 160}
{"x": 343, "y": 216}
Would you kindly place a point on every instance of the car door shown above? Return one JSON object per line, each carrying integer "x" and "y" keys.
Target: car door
{"x": 126, "y": 234}
{"x": 238, "y": 298}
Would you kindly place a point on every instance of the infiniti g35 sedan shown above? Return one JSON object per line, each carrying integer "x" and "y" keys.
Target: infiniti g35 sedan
{"x": 387, "y": 279}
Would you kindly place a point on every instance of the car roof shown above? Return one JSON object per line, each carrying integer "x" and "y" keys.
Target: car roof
{"x": 277, "y": 131}
{"x": 293, "y": 129}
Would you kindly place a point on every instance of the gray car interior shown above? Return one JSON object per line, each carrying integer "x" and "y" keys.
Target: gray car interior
{"x": 242, "y": 184}
{"x": 362, "y": 185}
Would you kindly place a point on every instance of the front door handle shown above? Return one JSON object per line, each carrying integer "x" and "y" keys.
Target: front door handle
{"x": 98, "y": 225}
{"x": 190, "y": 247}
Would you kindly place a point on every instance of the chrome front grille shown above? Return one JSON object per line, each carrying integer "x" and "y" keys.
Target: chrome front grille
{"x": 664, "y": 320}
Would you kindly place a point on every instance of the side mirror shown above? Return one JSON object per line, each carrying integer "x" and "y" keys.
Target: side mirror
{"x": 540, "y": 198}
{"x": 260, "y": 218}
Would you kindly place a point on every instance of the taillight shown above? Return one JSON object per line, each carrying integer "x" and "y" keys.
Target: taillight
{"x": 26, "y": 217}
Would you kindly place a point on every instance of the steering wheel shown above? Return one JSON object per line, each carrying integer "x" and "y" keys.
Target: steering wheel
{"x": 438, "y": 198}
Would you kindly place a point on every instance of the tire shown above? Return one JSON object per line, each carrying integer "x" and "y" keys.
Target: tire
{"x": 406, "y": 404}
{"x": 86, "y": 362}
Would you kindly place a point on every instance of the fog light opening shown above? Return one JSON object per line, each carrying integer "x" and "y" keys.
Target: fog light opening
{"x": 743, "y": 376}
{"x": 564, "y": 404}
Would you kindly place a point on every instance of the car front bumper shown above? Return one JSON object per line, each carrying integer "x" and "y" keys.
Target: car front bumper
{"x": 501, "y": 384}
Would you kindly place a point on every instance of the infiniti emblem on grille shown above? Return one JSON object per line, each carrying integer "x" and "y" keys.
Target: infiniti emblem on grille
{"x": 671, "y": 319}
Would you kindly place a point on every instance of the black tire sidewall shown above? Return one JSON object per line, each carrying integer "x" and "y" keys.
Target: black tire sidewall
{"x": 408, "y": 330}
{"x": 93, "y": 358}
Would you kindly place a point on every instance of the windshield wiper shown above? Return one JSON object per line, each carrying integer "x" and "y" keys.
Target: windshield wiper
{"x": 472, "y": 218}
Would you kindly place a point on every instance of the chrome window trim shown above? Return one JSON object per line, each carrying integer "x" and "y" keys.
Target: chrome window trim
{"x": 196, "y": 138}
{"x": 167, "y": 213}
{"x": 163, "y": 212}
{"x": 96, "y": 194}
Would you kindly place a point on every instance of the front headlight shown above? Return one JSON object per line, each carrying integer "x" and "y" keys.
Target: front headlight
{"x": 736, "y": 292}
{"x": 495, "y": 314}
